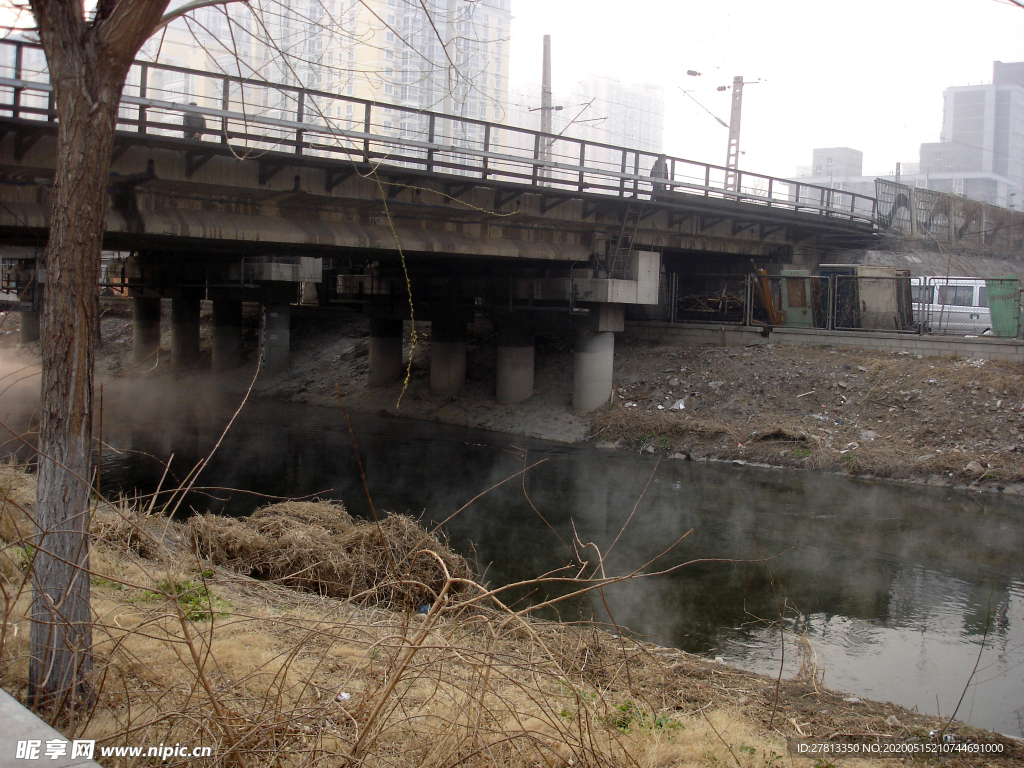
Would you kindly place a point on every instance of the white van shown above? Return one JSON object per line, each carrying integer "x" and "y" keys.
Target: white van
{"x": 951, "y": 305}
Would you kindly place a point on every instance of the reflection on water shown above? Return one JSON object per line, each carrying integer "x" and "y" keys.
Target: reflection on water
{"x": 896, "y": 588}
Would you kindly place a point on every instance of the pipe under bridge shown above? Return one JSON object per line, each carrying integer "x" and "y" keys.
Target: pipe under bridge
{"x": 258, "y": 187}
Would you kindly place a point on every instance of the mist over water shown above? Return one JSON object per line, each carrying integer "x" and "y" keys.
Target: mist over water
{"x": 897, "y": 588}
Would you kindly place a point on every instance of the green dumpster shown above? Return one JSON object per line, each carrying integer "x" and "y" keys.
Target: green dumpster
{"x": 1004, "y": 306}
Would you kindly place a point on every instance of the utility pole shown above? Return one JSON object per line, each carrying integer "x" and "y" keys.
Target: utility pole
{"x": 732, "y": 158}
{"x": 545, "y": 106}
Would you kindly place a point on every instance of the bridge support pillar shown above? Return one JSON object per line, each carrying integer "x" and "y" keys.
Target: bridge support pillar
{"x": 277, "y": 332}
{"x": 29, "y": 327}
{"x": 385, "y": 351}
{"x": 227, "y": 335}
{"x": 30, "y": 320}
{"x": 594, "y": 357}
{"x": 514, "y": 375}
{"x": 447, "y": 355}
{"x": 185, "y": 327}
{"x": 145, "y": 328}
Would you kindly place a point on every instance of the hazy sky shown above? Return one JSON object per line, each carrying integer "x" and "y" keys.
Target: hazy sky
{"x": 866, "y": 74}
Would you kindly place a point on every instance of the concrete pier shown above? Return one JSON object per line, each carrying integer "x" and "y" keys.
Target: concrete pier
{"x": 227, "y": 335}
{"x": 277, "y": 332}
{"x": 185, "y": 327}
{"x": 447, "y": 355}
{"x": 30, "y": 320}
{"x": 594, "y": 357}
{"x": 145, "y": 329}
{"x": 385, "y": 351}
{"x": 514, "y": 369}
{"x": 29, "y": 327}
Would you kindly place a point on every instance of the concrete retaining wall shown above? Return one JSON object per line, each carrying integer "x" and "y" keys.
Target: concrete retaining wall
{"x": 982, "y": 347}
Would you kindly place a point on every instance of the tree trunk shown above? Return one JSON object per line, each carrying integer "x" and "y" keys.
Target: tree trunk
{"x": 88, "y": 63}
{"x": 61, "y": 629}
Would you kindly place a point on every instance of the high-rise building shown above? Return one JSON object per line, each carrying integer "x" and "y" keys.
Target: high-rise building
{"x": 601, "y": 110}
{"x": 981, "y": 150}
{"x": 980, "y": 153}
{"x": 837, "y": 162}
{"x": 436, "y": 55}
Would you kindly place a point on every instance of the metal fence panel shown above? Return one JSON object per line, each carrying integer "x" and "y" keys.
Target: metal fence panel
{"x": 709, "y": 298}
{"x": 873, "y": 303}
{"x": 795, "y": 299}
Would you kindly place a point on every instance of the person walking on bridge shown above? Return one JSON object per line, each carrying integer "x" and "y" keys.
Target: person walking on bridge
{"x": 194, "y": 125}
{"x": 659, "y": 171}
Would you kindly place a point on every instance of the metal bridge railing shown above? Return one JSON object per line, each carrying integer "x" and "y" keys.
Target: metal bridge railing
{"x": 255, "y": 116}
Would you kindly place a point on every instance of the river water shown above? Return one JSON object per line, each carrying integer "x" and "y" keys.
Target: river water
{"x": 899, "y": 590}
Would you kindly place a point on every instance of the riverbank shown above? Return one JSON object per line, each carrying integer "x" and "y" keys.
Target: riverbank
{"x": 941, "y": 421}
{"x": 206, "y": 655}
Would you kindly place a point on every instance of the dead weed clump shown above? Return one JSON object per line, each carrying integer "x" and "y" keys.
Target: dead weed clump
{"x": 319, "y": 547}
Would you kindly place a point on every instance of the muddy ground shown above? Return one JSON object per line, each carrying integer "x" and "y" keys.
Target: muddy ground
{"x": 949, "y": 421}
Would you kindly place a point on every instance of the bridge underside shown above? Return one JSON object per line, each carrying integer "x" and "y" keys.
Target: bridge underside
{"x": 203, "y": 219}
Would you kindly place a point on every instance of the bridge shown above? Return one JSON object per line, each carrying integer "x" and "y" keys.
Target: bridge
{"x": 257, "y": 187}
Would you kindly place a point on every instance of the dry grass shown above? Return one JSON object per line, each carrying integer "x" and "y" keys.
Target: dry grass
{"x": 318, "y": 547}
{"x": 263, "y": 674}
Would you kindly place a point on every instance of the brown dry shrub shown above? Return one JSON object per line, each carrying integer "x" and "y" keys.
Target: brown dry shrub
{"x": 318, "y": 547}
{"x": 17, "y": 503}
{"x": 122, "y": 527}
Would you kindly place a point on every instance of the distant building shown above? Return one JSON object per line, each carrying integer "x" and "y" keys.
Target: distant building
{"x": 599, "y": 109}
{"x": 436, "y": 55}
{"x": 980, "y": 153}
{"x": 838, "y": 162}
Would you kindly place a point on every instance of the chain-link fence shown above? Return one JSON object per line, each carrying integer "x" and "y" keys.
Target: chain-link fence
{"x": 845, "y": 301}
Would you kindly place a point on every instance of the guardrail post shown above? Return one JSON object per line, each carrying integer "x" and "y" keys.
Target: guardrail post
{"x": 636, "y": 173}
{"x": 581, "y": 184}
{"x": 707, "y": 181}
{"x": 366, "y": 130}
{"x": 536, "y": 156}
{"x": 143, "y": 88}
{"x": 771, "y": 194}
{"x": 299, "y": 117}
{"x": 225, "y": 104}
{"x": 431, "y": 128}
{"x": 16, "y": 100}
{"x": 487, "y": 148}
{"x": 622, "y": 178}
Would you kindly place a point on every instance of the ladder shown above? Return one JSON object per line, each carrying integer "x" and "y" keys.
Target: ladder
{"x": 623, "y": 248}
